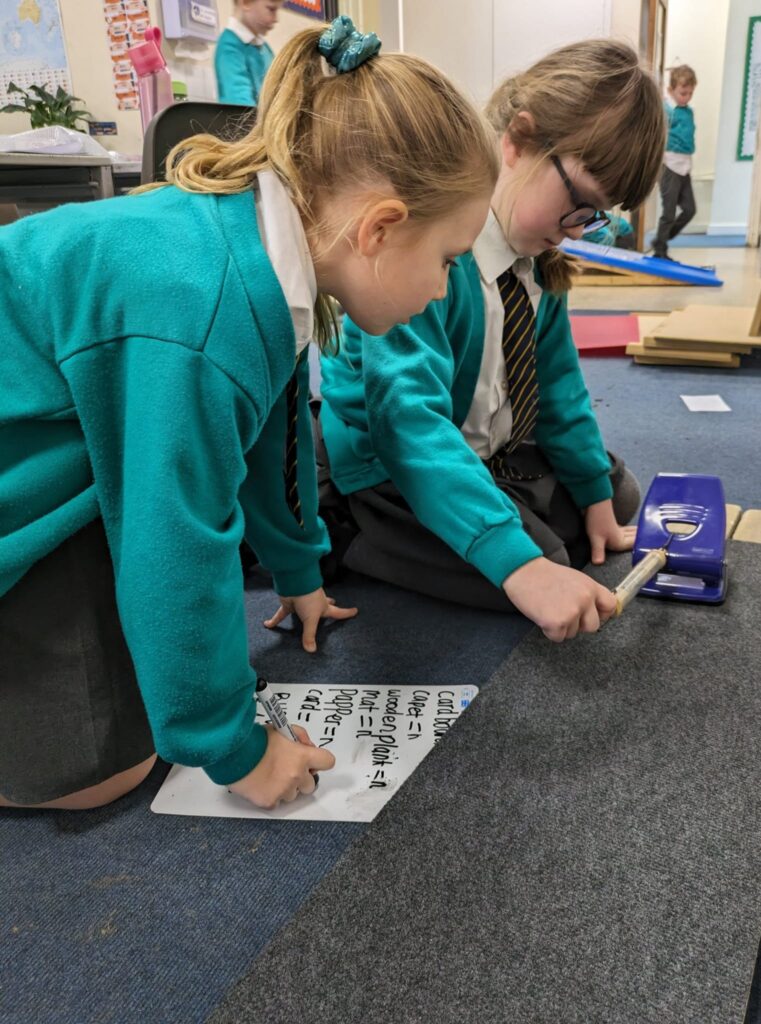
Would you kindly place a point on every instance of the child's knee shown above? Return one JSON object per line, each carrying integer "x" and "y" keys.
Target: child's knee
{"x": 99, "y": 795}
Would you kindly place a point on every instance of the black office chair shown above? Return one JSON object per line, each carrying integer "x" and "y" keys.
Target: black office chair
{"x": 180, "y": 121}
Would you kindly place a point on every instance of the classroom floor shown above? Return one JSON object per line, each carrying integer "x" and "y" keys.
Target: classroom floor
{"x": 739, "y": 268}
{"x": 194, "y": 906}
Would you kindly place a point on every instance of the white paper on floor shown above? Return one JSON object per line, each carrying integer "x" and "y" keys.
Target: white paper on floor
{"x": 705, "y": 403}
{"x": 378, "y": 734}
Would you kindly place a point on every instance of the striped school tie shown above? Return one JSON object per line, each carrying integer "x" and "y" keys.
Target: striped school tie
{"x": 519, "y": 350}
{"x": 291, "y": 457}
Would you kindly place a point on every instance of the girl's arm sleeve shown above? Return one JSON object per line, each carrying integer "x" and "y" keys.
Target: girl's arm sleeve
{"x": 291, "y": 552}
{"x": 166, "y": 430}
{"x": 408, "y": 377}
{"x": 566, "y": 428}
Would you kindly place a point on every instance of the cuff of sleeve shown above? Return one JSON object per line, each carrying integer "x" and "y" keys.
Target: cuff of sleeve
{"x": 242, "y": 760}
{"x": 591, "y": 491}
{"x": 502, "y": 550}
{"x": 295, "y": 582}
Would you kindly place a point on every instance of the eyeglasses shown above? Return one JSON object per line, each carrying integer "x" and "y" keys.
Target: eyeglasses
{"x": 582, "y": 215}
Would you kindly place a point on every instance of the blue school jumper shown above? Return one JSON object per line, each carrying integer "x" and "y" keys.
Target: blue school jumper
{"x": 240, "y": 69}
{"x": 394, "y": 406}
{"x": 681, "y": 129}
{"x": 146, "y": 349}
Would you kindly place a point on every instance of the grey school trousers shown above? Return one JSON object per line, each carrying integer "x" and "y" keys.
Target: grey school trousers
{"x": 378, "y": 535}
{"x": 676, "y": 192}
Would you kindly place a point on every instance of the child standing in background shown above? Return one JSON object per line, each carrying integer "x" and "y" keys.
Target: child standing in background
{"x": 155, "y": 410}
{"x": 465, "y": 444}
{"x": 242, "y": 56}
{"x": 676, "y": 182}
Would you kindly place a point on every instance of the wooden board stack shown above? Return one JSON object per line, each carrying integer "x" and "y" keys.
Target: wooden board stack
{"x": 698, "y": 336}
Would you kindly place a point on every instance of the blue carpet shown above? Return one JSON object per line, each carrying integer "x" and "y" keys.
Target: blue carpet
{"x": 644, "y": 420}
{"x": 119, "y": 915}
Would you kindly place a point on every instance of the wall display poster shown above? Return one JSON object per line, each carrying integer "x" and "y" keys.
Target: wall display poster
{"x": 325, "y": 10}
{"x": 746, "y": 142}
{"x": 126, "y": 22}
{"x": 378, "y": 734}
{"x": 32, "y": 50}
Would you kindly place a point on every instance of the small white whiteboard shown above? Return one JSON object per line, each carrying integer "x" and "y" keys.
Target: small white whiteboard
{"x": 378, "y": 734}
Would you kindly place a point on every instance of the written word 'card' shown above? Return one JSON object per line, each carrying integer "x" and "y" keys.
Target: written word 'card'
{"x": 378, "y": 734}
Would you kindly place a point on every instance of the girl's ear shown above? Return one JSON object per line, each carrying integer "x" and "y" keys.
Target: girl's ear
{"x": 522, "y": 129}
{"x": 378, "y": 223}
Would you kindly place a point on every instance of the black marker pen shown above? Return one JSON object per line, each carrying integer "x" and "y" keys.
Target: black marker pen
{"x": 266, "y": 696}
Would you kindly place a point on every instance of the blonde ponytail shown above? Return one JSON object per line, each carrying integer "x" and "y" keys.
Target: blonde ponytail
{"x": 395, "y": 121}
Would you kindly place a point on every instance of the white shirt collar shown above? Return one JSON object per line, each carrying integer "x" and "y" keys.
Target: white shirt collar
{"x": 244, "y": 34}
{"x": 286, "y": 244}
{"x": 492, "y": 252}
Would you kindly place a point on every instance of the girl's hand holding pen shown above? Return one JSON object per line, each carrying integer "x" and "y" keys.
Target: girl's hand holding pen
{"x": 285, "y": 771}
{"x": 310, "y": 608}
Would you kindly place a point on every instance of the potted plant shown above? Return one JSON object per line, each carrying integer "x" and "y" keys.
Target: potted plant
{"x": 44, "y": 108}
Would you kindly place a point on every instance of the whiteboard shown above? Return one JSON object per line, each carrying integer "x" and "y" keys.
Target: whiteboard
{"x": 378, "y": 735}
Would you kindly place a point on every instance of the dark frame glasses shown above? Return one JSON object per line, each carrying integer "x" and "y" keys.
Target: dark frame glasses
{"x": 583, "y": 214}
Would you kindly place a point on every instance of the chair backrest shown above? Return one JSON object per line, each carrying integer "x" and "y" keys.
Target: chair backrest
{"x": 180, "y": 121}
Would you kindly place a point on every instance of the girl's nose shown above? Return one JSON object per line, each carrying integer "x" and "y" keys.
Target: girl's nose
{"x": 574, "y": 233}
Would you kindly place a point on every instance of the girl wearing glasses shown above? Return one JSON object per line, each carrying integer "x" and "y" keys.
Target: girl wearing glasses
{"x": 462, "y": 458}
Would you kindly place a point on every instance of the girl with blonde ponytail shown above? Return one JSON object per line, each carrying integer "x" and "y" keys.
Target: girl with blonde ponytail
{"x": 156, "y": 410}
{"x": 464, "y": 453}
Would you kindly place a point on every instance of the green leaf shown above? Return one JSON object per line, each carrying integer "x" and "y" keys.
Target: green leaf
{"x": 43, "y": 93}
{"x": 10, "y": 108}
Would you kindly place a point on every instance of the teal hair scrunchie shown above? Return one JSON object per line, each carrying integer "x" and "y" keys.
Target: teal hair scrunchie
{"x": 344, "y": 48}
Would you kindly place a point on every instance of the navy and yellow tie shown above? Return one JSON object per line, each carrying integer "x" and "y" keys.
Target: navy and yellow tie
{"x": 519, "y": 350}
{"x": 290, "y": 460}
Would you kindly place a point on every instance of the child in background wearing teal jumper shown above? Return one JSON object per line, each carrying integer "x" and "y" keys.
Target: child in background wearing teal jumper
{"x": 242, "y": 55}
{"x": 465, "y": 445}
{"x": 155, "y": 411}
{"x": 676, "y": 178}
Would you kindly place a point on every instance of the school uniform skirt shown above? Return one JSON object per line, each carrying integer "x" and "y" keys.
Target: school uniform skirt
{"x": 71, "y": 714}
{"x": 376, "y": 533}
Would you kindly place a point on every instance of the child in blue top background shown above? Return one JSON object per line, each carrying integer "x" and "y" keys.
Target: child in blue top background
{"x": 155, "y": 412}
{"x": 676, "y": 180}
{"x": 438, "y": 496}
{"x": 242, "y": 56}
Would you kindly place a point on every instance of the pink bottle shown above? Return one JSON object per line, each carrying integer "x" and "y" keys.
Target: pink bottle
{"x": 154, "y": 82}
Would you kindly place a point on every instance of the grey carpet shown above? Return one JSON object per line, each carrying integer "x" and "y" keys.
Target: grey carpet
{"x": 585, "y": 846}
{"x": 658, "y": 434}
{"x": 118, "y": 915}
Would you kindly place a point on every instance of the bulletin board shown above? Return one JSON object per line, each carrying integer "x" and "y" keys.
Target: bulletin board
{"x": 746, "y": 142}
{"x": 325, "y": 10}
{"x": 378, "y": 735}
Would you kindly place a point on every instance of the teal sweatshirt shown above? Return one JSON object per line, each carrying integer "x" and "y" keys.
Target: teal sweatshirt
{"x": 240, "y": 69}
{"x": 681, "y": 129}
{"x": 393, "y": 408}
{"x": 146, "y": 349}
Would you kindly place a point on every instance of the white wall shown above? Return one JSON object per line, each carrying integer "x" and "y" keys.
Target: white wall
{"x": 696, "y": 35}
{"x": 480, "y": 42}
{"x": 625, "y": 17}
{"x": 455, "y": 36}
{"x": 731, "y": 193}
{"x": 525, "y": 30}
